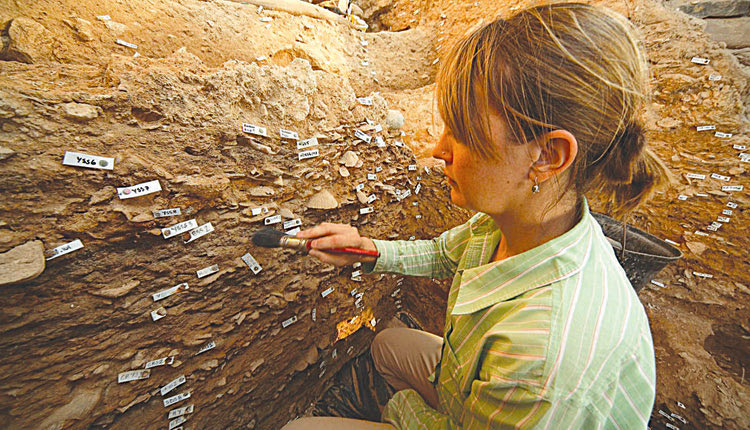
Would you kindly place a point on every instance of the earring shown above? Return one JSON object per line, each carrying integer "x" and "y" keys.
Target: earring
{"x": 535, "y": 188}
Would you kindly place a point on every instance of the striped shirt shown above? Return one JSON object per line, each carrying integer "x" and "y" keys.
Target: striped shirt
{"x": 553, "y": 338}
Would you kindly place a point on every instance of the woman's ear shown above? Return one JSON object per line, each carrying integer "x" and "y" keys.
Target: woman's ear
{"x": 558, "y": 151}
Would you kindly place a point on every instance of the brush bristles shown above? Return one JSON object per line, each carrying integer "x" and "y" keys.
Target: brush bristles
{"x": 268, "y": 237}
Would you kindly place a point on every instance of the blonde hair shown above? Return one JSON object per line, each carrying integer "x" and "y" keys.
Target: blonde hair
{"x": 567, "y": 66}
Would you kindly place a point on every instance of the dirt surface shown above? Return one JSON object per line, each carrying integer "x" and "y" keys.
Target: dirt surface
{"x": 173, "y": 113}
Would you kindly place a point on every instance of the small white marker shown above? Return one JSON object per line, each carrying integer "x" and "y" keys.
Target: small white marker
{"x": 66, "y": 249}
{"x": 705, "y": 127}
{"x": 732, "y": 205}
{"x": 732, "y": 188}
{"x": 366, "y": 101}
{"x": 274, "y": 219}
{"x": 173, "y": 384}
{"x": 365, "y": 63}
{"x": 310, "y": 153}
{"x": 252, "y": 263}
{"x": 404, "y": 195}
{"x": 682, "y": 197}
{"x": 671, "y": 426}
{"x": 78, "y": 159}
{"x": 314, "y": 314}
{"x": 307, "y": 143}
{"x": 293, "y": 232}
{"x": 378, "y": 169}
{"x": 133, "y": 375}
{"x": 740, "y": 147}
{"x": 158, "y": 313}
{"x": 124, "y": 43}
{"x": 174, "y": 413}
{"x": 254, "y": 129}
{"x": 138, "y": 190}
{"x": 208, "y": 271}
{"x": 680, "y": 405}
{"x": 671, "y": 242}
{"x": 292, "y": 223}
{"x": 371, "y": 198}
{"x": 356, "y": 274}
{"x": 169, "y": 291}
{"x": 207, "y": 347}
{"x": 679, "y": 418}
{"x": 159, "y": 362}
{"x": 399, "y": 143}
{"x": 256, "y": 211}
{"x": 174, "y": 399}
{"x": 373, "y": 322}
{"x": 334, "y": 354}
{"x": 412, "y": 237}
{"x": 200, "y": 231}
{"x": 327, "y": 292}
{"x": 418, "y": 216}
{"x": 701, "y": 195}
{"x": 178, "y": 228}
{"x": 289, "y": 322}
{"x": 417, "y": 188}
{"x": 700, "y": 233}
{"x": 703, "y": 275}
{"x": 367, "y": 210}
{"x": 378, "y": 128}
{"x": 175, "y": 422}
{"x": 695, "y": 176}
{"x": 699, "y": 60}
{"x": 658, "y": 284}
{"x": 104, "y": 17}
{"x": 411, "y": 167}
{"x": 722, "y": 219}
{"x": 723, "y": 135}
{"x": 357, "y": 264}
{"x": 714, "y": 77}
{"x": 726, "y": 212}
{"x": 720, "y": 177}
{"x": 359, "y": 187}
{"x": 163, "y": 213}
{"x": 288, "y": 134}
{"x": 362, "y": 136}
{"x": 372, "y": 177}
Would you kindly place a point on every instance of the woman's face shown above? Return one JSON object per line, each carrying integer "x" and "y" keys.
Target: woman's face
{"x": 493, "y": 186}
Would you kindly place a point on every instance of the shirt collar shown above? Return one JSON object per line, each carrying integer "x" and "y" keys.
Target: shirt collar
{"x": 486, "y": 283}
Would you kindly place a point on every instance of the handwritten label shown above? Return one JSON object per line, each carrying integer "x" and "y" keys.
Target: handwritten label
{"x": 699, "y": 60}
{"x": 411, "y": 167}
{"x": 682, "y": 197}
{"x": 726, "y": 212}
{"x": 167, "y": 213}
{"x": 378, "y": 169}
{"x": 292, "y": 223}
{"x": 371, "y": 198}
{"x": 404, "y": 195}
{"x": 705, "y": 127}
{"x": 288, "y": 134}
{"x": 311, "y": 153}
{"x": 723, "y": 135}
{"x": 159, "y": 362}
{"x": 124, "y": 43}
{"x": 208, "y": 271}
{"x": 179, "y": 228}
{"x": 314, "y": 314}
{"x": 740, "y": 147}
{"x": 78, "y": 159}
{"x": 366, "y": 101}
{"x": 701, "y": 195}
{"x": 722, "y": 219}
{"x": 703, "y": 275}
{"x": 671, "y": 426}
{"x": 158, "y": 314}
{"x": 658, "y": 284}
{"x": 254, "y": 129}
{"x": 417, "y": 188}
{"x": 174, "y": 399}
{"x": 732, "y": 188}
{"x": 200, "y": 232}
{"x": 175, "y": 422}
{"x": 327, "y": 292}
{"x": 714, "y": 77}
{"x": 139, "y": 190}
{"x": 732, "y": 205}
{"x": 307, "y": 143}
{"x": 252, "y": 263}
{"x": 66, "y": 249}
{"x": 207, "y": 347}
{"x": 172, "y": 385}
{"x": 720, "y": 177}
{"x": 289, "y": 322}
{"x": 275, "y": 219}
{"x": 372, "y": 177}
{"x": 695, "y": 176}
{"x": 362, "y": 136}
{"x": 169, "y": 291}
{"x": 133, "y": 375}
{"x": 399, "y": 143}
{"x": 367, "y": 210}
{"x": 700, "y": 233}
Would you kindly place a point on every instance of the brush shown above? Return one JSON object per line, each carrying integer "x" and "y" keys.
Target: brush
{"x": 268, "y": 237}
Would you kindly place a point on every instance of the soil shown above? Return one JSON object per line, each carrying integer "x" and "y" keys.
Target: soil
{"x": 173, "y": 113}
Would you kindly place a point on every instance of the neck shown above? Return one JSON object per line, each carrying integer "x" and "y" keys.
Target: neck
{"x": 536, "y": 224}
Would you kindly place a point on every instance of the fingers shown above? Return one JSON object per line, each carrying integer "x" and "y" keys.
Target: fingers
{"x": 327, "y": 235}
{"x": 334, "y": 259}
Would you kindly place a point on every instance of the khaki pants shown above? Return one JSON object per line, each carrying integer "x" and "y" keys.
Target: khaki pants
{"x": 405, "y": 358}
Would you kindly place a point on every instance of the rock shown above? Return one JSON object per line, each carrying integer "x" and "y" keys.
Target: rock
{"x": 28, "y": 41}
{"x": 362, "y": 197}
{"x": 349, "y": 159}
{"x": 286, "y": 213}
{"x": 743, "y": 55}
{"x": 115, "y": 27}
{"x": 735, "y": 32}
{"x": 713, "y": 8}
{"x": 102, "y": 195}
{"x": 80, "y": 111}
{"x": 115, "y": 292}
{"x": 81, "y": 404}
{"x": 696, "y": 248}
{"x": 83, "y": 29}
{"x": 343, "y": 171}
{"x": 261, "y": 191}
{"x": 323, "y": 200}
{"x": 669, "y": 123}
{"x": 394, "y": 119}
{"x": 6, "y": 152}
{"x": 22, "y": 263}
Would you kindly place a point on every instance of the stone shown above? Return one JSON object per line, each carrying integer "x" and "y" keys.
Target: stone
{"x": 323, "y": 200}
{"x": 713, "y": 8}
{"x": 114, "y": 292}
{"x": 115, "y": 27}
{"x": 349, "y": 159}
{"x": 343, "y": 171}
{"x": 743, "y": 55}
{"x": 735, "y": 32}
{"x": 82, "y": 28}
{"x": 6, "y": 152}
{"x": 261, "y": 192}
{"x": 22, "y": 263}
{"x": 394, "y": 119}
{"x": 82, "y": 403}
{"x": 696, "y": 248}
{"x": 80, "y": 111}
{"x": 28, "y": 41}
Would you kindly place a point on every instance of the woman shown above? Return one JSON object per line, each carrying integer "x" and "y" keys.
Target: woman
{"x": 543, "y": 329}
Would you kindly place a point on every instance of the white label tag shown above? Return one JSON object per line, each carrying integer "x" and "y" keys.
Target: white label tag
{"x": 334, "y": 354}
{"x": 256, "y": 211}
{"x": 172, "y": 385}
{"x": 312, "y": 153}
{"x": 207, "y": 347}
{"x": 703, "y": 275}
{"x": 732, "y": 188}
{"x": 252, "y": 263}
{"x": 175, "y": 422}
{"x": 362, "y": 136}
{"x": 700, "y": 233}
{"x": 705, "y": 127}
{"x": 179, "y": 228}
{"x": 174, "y": 413}
{"x": 288, "y": 134}
{"x": 208, "y": 271}
{"x": 715, "y": 225}
{"x": 724, "y": 135}
{"x": 726, "y": 212}
{"x": 327, "y": 292}
{"x": 169, "y": 291}
{"x": 367, "y": 210}
{"x": 371, "y": 198}
{"x": 695, "y": 176}
{"x": 699, "y": 60}
{"x": 369, "y": 121}
{"x": 169, "y": 401}
{"x": 289, "y": 322}
{"x": 417, "y": 188}
{"x": 139, "y": 190}
{"x": 418, "y": 216}
{"x": 167, "y": 213}
{"x": 740, "y": 147}
{"x": 124, "y": 43}
{"x": 367, "y": 101}
{"x": 722, "y": 219}
{"x": 720, "y": 177}
{"x": 275, "y": 219}
{"x": 732, "y": 205}
{"x": 380, "y": 142}
{"x": 378, "y": 128}
{"x": 372, "y": 177}
{"x": 292, "y": 223}
{"x": 682, "y": 197}
{"x": 314, "y": 314}
{"x": 200, "y": 232}
{"x": 359, "y": 187}
{"x": 158, "y": 313}
{"x": 254, "y": 129}
{"x": 66, "y": 249}
{"x": 411, "y": 167}
{"x": 103, "y": 17}
{"x": 658, "y": 284}
{"x": 399, "y": 143}
{"x": 701, "y": 195}
{"x": 133, "y": 375}
{"x": 404, "y": 195}
{"x": 307, "y": 143}
{"x": 79, "y": 159}
{"x": 378, "y": 169}
{"x": 356, "y": 274}
{"x": 159, "y": 362}
{"x": 714, "y": 77}
{"x": 294, "y": 231}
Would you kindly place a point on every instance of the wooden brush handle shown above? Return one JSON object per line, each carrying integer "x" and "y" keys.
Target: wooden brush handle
{"x": 356, "y": 251}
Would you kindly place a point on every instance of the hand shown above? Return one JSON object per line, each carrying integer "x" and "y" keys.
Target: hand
{"x": 327, "y": 235}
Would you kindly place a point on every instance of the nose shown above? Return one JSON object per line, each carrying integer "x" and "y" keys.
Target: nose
{"x": 442, "y": 149}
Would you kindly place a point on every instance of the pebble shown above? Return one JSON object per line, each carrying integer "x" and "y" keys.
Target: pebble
{"x": 394, "y": 119}
{"x": 80, "y": 111}
{"x": 349, "y": 159}
{"x": 7, "y": 152}
{"x": 22, "y": 263}
{"x": 323, "y": 200}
